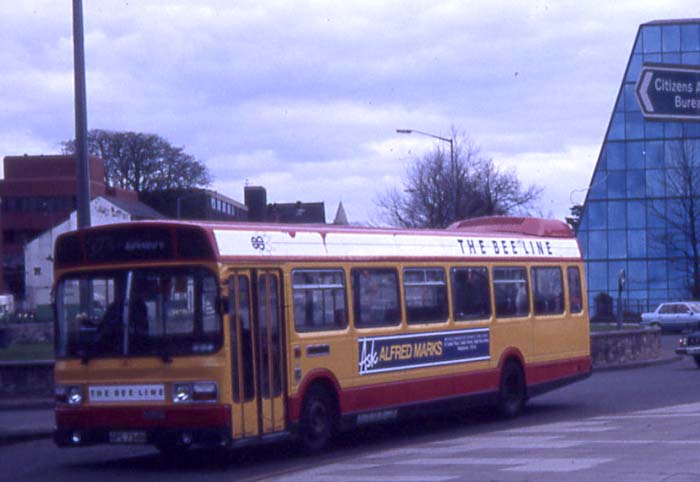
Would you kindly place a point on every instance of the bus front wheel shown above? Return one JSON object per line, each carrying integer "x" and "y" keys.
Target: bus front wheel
{"x": 512, "y": 392}
{"x": 317, "y": 420}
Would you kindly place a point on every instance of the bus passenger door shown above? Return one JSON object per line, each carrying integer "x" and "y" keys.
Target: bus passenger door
{"x": 270, "y": 351}
{"x": 244, "y": 393}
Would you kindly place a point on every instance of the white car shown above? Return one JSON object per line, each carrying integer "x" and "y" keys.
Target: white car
{"x": 676, "y": 316}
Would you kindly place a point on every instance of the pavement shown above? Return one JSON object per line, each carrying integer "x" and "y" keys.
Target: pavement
{"x": 33, "y": 418}
{"x": 25, "y": 419}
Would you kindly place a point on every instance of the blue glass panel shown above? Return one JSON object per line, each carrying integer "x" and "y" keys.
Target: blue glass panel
{"x": 617, "y": 184}
{"x": 597, "y": 245}
{"x": 617, "y": 215}
{"x": 616, "y": 155}
{"x": 653, "y": 130}
{"x": 637, "y": 275}
{"x": 677, "y": 246}
{"x": 617, "y": 244}
{"x": 637, "y": 243}
{"x": 678, "y": 275}
{"x": 634, "y": 125}
{"x": 638, "y": 43}
{"x": 617, "y": 127}
{"x": 675, "y": 212}
{"x": 657, "y": 274}
{"x": 672, "y": 58}
{"x": 654, "y": 153}
{"x": 636, "y": 184}
{"x": 598, "y": 211}
{"x": 652, "y": 57}
{"x": 652, "y": 38}
{"x": 583, "y": 227}
{"x": 656, "y": 243}
{"x": 603, "y": 158}
{"x": 598, "y": 276}
{"x": 582, "y": 237}
{"x": 599, "y": 186}
{"x": 658, "y": 296}
{"x": 656, "y": 183}
{"x": 671, "y": 38}
{"x": 636, "y": 214}
{"x": 634, "y": 67}
{"x": 673, "y": 130}
{"x": 620, "y": 103}
{"x": 690, "y": 58}
{"x": 692, "y": 129}
{"x": 631, "y": 103}
{"x": 690, "y": 37}
{"x": 656, "y": 213}
{"x": 635, "y": 155}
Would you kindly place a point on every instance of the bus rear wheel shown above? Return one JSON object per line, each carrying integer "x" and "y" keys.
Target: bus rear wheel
{"x": 697, "y": 360}
{"x": 318, "y": 420}
{"x": 512, "y": 392}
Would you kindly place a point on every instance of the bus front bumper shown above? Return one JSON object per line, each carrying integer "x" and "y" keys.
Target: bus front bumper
{"x": 157, "y": 425}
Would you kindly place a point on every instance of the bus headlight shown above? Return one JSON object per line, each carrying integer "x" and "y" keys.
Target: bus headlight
{"x": 195, "y": 392}
{"x": 70, "y": 394}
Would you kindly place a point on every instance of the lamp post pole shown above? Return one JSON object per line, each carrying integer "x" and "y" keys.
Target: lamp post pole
{"x": 81, "y": 147}
{"x": 453, "y": 165}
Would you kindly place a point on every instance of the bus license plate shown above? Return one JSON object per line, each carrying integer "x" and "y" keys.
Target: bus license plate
{"x": 127, "y": 437}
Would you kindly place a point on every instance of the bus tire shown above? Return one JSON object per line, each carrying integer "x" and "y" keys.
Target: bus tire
{"x": 318, "y": 420}
{"x": 697, "y": 360}
{"x": 512, "y": 391}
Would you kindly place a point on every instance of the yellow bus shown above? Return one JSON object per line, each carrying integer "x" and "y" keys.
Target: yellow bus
{"x": 178, "y": 334}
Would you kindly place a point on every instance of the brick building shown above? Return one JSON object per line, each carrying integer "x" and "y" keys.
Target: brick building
{"x": 39, "y": 192}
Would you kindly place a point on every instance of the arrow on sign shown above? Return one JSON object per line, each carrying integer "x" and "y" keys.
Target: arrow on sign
{"x": 643, "y": 91}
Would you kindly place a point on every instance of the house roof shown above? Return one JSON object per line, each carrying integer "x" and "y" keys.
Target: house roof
{"x": 137, "y": 210}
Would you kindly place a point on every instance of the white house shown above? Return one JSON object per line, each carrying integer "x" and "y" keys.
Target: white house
{"x": 38, "y": 253}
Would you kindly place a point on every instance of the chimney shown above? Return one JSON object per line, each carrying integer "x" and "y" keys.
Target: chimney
{"x": 256, "y": 201}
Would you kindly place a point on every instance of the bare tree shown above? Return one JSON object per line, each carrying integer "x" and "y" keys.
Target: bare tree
{"x": 436, "y": 192}
{"x": 143, "y": 162}
{"x": 682, "y": 214}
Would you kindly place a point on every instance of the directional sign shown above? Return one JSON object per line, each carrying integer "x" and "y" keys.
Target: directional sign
{"x": 669, "y": 92}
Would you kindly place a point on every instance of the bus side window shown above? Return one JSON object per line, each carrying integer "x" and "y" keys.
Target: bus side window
{"x": 547, "y": 290}
{"x": 471, "y": 298}
{"x": 319, "y": 299}
{"x": 425, "y": 292}
{"x": 511, "y": 291}
{"x": 575, "y": 297}
{"x": 375, "y": 294}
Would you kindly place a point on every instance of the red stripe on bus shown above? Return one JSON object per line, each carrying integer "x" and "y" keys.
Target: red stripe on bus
{"x": 143, "y": 417}
{"x": 551, "y": 371}
{"x": 394, "y": 394}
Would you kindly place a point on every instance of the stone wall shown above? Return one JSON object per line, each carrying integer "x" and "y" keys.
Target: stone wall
{"x": 625, "y": 347}
{"x": 19, "y": 379}
{"x": 26, "y": 333}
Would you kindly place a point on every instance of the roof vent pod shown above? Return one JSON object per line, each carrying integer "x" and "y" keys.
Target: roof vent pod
{"x": 552, "y": 228}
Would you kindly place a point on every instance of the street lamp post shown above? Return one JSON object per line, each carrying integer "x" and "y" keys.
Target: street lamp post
{"x": 453, "y": 165}
{"x": 81, "y": 147}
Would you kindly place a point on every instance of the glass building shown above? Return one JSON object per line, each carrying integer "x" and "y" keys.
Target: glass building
{"x": 633, "y": 217}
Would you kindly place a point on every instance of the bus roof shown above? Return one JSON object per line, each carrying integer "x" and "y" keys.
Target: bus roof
{"x": 493, "y": 237}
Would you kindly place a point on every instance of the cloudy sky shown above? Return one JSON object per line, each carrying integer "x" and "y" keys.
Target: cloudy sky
{"x": 305, "y": 98}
